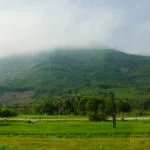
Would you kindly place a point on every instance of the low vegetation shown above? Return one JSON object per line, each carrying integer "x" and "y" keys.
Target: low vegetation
{"x": 72, "y": 129}
{"x": 5, "y": 112}
{"x": 30, "y": 143}
{"x": 79, "y": 135}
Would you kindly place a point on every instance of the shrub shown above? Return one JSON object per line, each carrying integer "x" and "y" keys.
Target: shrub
{"x": 5, "y": 112}
{"x": 96, "y": 109}
{"x": 100, "y": 116}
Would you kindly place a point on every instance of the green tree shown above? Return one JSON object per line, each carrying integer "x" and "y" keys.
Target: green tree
{"x": 96, "y": 109}
{"x": 82, "y": 105}
{"x": 5, "y": 112}
{"x": 46, "y": 107}
{"x": 124, "y": 107}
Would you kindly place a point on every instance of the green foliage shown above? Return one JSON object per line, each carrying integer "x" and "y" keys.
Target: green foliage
{"x": 46, "y": 107}
{"x": 82, "y": 105}
{"x": 5, "y": 112}
{"x": 124, "y": 107}
{"x": 108, "y": 106}
{"x": 96, "y": 109}
{"x": 64, "y": 81}
{"x": 80, "y": 72}
{"x": 99, "y": 116}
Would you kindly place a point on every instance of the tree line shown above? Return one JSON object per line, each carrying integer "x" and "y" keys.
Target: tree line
{"x": 96, "y": 107}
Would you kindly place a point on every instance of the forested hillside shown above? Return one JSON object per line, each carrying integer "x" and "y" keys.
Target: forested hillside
{"x": 76, "y": 72}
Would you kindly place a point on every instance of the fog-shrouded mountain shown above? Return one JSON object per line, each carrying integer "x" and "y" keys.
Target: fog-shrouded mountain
{"x": 74, "y": 71}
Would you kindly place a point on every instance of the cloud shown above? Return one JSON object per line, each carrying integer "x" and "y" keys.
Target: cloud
{"x": 133, "y": 35}
{"x": 36, "y": 25}
{"x": 30, "y": 26}
{"x": 141, "y": 35}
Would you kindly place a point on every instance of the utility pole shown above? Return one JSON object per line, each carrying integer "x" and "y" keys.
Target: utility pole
{"x": 113, "y": 110}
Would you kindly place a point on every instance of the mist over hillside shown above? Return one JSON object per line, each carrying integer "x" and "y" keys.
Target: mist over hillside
{"x": 76, "y": 71}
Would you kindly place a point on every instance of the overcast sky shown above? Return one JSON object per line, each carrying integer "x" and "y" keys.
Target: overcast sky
{"x": 34, "y": 25}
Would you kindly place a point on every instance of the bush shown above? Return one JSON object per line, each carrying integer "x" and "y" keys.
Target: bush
{"x": 101, "y": 116}
{"x": 96, "y": 109}
{"x": 5, "y": 112}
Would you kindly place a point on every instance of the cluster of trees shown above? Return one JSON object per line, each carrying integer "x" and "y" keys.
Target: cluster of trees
{"x": 6, "y": 112}
{"x": 96, "y": 107}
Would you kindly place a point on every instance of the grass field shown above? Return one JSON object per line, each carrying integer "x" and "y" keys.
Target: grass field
{"x": 74, "y": 135}
{"x": 75, "y": 129}
{"x": 30, "y": 143}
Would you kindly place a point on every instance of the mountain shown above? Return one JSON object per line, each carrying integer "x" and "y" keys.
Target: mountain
{"x": 76, "y": 71}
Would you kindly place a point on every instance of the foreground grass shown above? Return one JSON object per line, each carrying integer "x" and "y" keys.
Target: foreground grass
{"x": 17, "y": 143}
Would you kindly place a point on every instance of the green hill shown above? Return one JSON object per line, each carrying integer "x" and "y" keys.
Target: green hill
{"x": 77, "y": 71}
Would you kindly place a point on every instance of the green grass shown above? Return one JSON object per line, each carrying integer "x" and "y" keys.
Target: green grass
{"x": 27, "y": 143}
{"x": 74, "y": 135}
{"x": 75, "y": 129}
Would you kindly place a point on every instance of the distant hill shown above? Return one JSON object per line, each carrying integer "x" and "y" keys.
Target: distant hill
{"x": 77, "y": 71}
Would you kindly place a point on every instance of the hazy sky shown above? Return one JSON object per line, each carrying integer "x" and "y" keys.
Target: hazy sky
{"x": 34, "y": 25}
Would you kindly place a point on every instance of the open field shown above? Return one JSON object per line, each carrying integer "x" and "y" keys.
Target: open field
{"x": 47, "y": 143}
{"x": 74, "y": 135}
{"x": 75, "y": 129}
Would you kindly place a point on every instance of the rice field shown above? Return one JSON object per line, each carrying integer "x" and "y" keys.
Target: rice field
{"x": 74, "y": 135}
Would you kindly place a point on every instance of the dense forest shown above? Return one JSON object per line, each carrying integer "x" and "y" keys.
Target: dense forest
{"x": 77, "y": 71}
